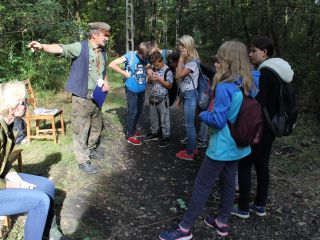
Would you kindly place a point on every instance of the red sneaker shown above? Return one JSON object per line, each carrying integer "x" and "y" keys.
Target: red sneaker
{"x": 184, "y": 155}
{"x": 137, "y": 134}
{"x": 133, "y": 141}
{"x": 195, "y": 151}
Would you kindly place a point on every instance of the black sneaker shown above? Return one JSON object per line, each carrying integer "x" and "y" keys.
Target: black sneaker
{"x": 150, "y": 137}
{"x": 96, "y": 154}
{"x": 164, "y": 142}
{"x": 201, "y": 144}
{"x": 86, "y": 167}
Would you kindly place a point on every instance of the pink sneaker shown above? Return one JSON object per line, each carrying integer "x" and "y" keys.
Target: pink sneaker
{"x": 134, "y": 141}
{"x": 184, "y": 155}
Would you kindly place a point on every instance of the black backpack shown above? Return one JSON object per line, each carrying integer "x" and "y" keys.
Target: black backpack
{"x": 284, "y": 120}
{"x": 173, "y": 91}
{"x": 248, "y": 126}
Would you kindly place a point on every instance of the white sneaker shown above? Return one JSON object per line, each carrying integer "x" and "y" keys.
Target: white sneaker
{"x": 24, "y": 141}
{"x": 184, "y": 140}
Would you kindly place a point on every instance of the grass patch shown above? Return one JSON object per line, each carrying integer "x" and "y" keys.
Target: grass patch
{"x": 299, "y": 154}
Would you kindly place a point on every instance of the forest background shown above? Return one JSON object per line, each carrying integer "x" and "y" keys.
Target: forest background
{"x": 132, "y": 176}
{"x": 292, "y": 24}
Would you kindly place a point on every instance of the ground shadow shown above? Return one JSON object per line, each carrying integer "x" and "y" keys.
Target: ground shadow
{"x": 43, "y": 169}
{"x": 121, "y": 114}
{"x": 136, "y": 194}
{"x": 137, "y": 186}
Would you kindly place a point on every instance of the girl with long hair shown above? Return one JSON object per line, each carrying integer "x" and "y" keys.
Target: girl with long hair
{"x": 187, "y": 72}
{"x": 20, "y": 192}
{"x": 222, "y": 155}
{"x": 261, "y": 55}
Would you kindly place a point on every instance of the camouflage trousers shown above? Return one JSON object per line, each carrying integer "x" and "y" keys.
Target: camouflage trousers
{"x": 86, "y": 120}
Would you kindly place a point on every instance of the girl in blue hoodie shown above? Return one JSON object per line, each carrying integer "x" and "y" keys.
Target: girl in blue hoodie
{"x": 222, "y": 155}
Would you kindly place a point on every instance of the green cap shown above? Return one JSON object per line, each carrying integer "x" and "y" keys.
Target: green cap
{"x": 100, "y": 26}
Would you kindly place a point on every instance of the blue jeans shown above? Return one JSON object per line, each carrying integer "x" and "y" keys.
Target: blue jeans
{"x": 38, "y": 203}
{"x": 135, "y": 102}
{"x": 209, "y": 172}
{"x": 203, "y": 132}
{"x": 189, "y": 109}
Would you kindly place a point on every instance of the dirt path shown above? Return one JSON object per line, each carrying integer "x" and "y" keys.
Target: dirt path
{"x": 135, "y": 196}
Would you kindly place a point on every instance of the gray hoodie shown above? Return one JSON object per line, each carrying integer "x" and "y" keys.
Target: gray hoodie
{"x": 279, "y": 66}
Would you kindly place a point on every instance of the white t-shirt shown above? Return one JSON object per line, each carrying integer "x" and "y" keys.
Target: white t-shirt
{"x": 186, "y": 82}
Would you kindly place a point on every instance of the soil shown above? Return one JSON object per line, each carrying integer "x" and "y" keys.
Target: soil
{"x": 142, "y": 190}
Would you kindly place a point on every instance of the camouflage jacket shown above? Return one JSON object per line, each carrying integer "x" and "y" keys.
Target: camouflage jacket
{"x": 7, "y": 143}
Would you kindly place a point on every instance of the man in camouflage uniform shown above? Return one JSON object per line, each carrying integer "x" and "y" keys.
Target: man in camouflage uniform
{"x": 88, "y": 67}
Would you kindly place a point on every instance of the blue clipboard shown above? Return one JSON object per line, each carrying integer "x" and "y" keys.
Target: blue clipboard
{"x": 99, "y": 96}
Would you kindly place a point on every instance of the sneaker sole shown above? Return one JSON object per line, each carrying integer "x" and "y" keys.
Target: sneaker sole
{"x": 220, "y": 233}
{"x": 182, "y": 238}
{"x": 152, "y": 139}
{"x": 135, "y": 144}
{"x": 259, "y": 214}
{"x": 163, "y": 146}
{"x": 92, "y": 172}
{"x": 240, "y": 215}
{"x": 186, "y": 159}
{"x": 201, "y": 146}
{"x": 183, "y": 142}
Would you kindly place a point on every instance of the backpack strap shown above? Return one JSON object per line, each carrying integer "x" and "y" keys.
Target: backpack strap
{"x": 165, "y": 73}
{"x": 198, "y": 64}
{"x": 104, "y": 54}
{"x": 165, "y": 53}
{"x": 130, "y": 62}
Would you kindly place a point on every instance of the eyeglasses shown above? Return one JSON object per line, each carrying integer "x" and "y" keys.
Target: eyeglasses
{"x": 23, "y": 103}
{"x": 105, "y": 34}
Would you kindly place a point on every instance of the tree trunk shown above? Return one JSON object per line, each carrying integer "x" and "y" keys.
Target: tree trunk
{"x": 154, "y": 20}
{"x": 165, "y": 23}
{"x": 140, "y": 19}
{"x": 178, "y": 18}
{"x": 244, "y": 25}
{"x": 275, "y": 37}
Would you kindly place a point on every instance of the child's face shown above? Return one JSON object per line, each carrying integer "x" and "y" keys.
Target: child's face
{"x": 217, "y": 66}
{"x": 257, "y": 55}
{"x": 158, "y": 65}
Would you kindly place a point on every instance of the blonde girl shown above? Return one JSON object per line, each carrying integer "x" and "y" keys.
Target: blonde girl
{"x": 20, "y": 192}
{"x": 188, "y": 72}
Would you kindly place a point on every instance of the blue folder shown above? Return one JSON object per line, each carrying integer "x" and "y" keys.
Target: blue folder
{"x": 99, "y": 96}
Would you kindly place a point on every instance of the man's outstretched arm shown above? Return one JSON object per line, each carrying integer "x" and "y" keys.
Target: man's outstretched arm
{"x": 49, "y": 48}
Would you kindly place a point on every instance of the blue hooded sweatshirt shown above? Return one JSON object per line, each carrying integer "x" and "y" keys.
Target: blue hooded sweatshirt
{"x": 227, "y": 103}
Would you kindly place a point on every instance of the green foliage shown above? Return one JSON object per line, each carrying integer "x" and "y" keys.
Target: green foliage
{"x": 293, "y": 25}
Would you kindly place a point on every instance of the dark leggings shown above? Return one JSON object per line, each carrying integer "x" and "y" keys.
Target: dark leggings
{"x": 259, "y": 157}
{"x": 208, "y": 174}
